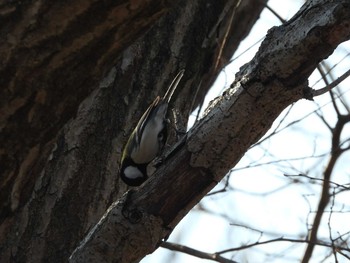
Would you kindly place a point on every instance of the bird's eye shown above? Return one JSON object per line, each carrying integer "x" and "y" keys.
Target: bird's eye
{"x": 160, "y": 136}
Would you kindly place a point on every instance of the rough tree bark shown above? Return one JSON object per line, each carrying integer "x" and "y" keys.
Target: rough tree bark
{"x": 75, "y": 78}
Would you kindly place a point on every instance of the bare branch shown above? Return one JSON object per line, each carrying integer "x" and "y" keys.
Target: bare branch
{"x": 324, "y": 200}
{"x": 332, "y": 85}
{"x": 329, "y": 69}
{"x": 223, "y": 42}
{"x": 227, "y": 180}
{"x": 275, "y": 14}
{"x": 246, "y": 50}
{"x": 317, "y": 179}
{"x": 322, "y": 118}
{"x": 282, "y": 239}
{"x": 196, "y": 253}
{"x": 343, "y": 254}
{"x": 324, "y": 77}
{"x": 334, "y": 249}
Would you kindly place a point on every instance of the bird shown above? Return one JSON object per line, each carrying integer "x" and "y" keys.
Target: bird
{"x": 148, "y": 138}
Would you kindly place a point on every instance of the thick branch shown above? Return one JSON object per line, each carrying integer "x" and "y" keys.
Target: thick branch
{"x": 274, "y": 79}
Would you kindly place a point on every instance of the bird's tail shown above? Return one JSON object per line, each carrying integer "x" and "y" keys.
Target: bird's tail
{"x": 173, "y": 85}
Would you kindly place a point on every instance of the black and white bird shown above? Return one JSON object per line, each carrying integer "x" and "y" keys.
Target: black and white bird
{"x": 147, "y": 139}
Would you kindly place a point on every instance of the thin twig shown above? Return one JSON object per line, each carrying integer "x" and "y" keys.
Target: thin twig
{"x": 281, "y": 239}
{"x": 318, "y": 179}
{"x": 275, "y": 13}
{"x": 344, "y": 255}
{"x": 224, "y": 189}
{"x": 334, "y": 248}
{"x": 223, "y": 43}
{"x": 324, "y": 200}
{"x": 324, "y": 77}
{"x": 332, "y": 85}
{"x": 196, "y": 253}
{"x": 332, "y": 67}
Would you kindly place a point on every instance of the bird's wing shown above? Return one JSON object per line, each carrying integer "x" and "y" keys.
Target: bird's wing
{"x": 143, "y": 120}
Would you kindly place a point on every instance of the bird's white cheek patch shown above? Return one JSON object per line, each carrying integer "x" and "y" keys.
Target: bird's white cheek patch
{"x": 132, "y": 172}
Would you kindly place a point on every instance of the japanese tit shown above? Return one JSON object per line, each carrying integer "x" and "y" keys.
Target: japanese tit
{"x": 147, "y": 139}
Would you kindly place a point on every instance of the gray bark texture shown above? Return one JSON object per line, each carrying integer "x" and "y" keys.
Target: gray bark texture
{"x": 76, "y": 76}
